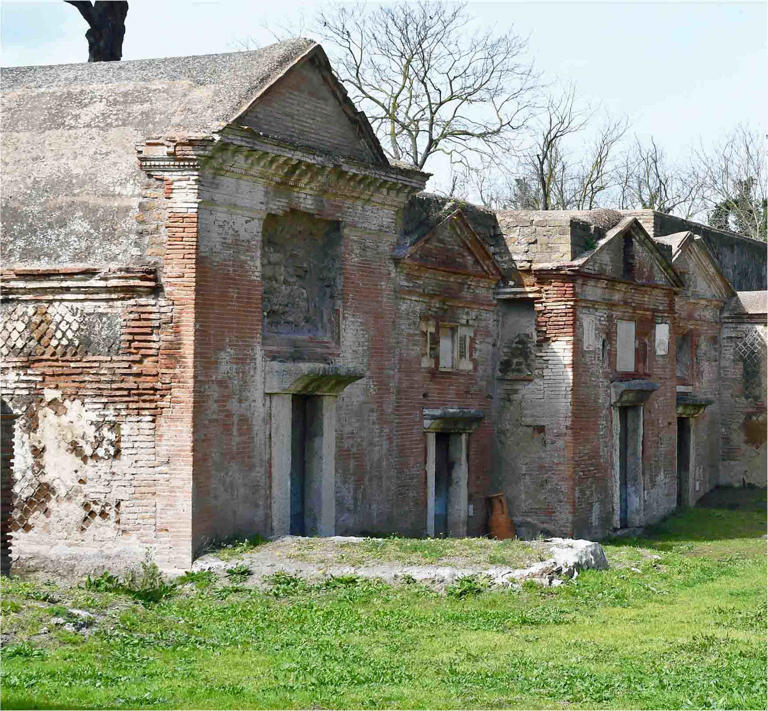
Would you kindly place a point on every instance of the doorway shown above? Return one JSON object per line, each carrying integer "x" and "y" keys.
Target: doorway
{"x": 630, "y": 466}
{"x": 447, "y": 484}
{"x": 298, "y": 464}
{"x": 306, "y": 463}
{"x": 443, "y": 467}
{"x": 683, "y": 461}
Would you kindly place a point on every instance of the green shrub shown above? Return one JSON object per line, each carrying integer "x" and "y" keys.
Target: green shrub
{"x": 199, "y": 578}
{"x": 24, "y": 650}
{"x": 106, "y": 582}
{"x": 146, "y": 584}
{"x": 235, "y": 547}
{"x": 467, "y": 586}
{"x": 284, "y": 584}
{"x": 239, "y": 573}
{"x": 333, "y": 582}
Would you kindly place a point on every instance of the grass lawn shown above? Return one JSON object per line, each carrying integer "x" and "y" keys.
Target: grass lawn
{"x": 678, "y": 622}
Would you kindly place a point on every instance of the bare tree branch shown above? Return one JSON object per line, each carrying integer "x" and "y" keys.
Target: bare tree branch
{"x": 649, "y": 181}
{"x": 733, "y": 179}
{"x": 428, "y": 84}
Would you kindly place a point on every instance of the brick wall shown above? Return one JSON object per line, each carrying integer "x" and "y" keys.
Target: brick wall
{"x": 174, "y": 430}
{"x": 600, "y": 304}
{"x": 700, "y": 320}
{"x": 85, "y": 473}
{"x": 231, "y": 493}
{"x": 233, "y": 362}
{"x": 533, "y": 416}
{"x": 440, "y": 297}
{"x": 743, "y": 407}
{"x": 98, "y": 364}
{"x": 302, "y": 109}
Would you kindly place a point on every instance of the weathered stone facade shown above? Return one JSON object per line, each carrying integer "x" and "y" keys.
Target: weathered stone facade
{"x": 225, "y": 313}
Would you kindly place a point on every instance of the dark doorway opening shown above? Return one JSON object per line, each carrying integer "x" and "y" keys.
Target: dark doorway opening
{"x": 623, "y": 517}
{"x": 298, "y": 463}
{"x": 306, "y": 463}
{"x": 683, "y": 461}
{"x": 630, "y": 466}
{"x": 443, "y": 466}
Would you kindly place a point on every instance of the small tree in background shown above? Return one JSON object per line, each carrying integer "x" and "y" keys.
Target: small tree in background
{"x": 733, "y": 179}
{"x": 106, "y": 28}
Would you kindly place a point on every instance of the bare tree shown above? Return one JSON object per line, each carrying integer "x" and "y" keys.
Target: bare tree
{"x": 597, "y": 176}
{"x": 649, "y": 181}
{"x": 551, "y": 173}
{"x": 547, "y": 161}
{"x": 733, "y": 180}
{"x": 106, "y": 28}
{"x": 426, "y": 82}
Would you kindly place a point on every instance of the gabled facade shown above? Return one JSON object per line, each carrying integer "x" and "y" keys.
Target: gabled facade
{"x": 444, "y": 362}
{"x": 229, "y": 315}
{"x": 602, "y": 324}
{"x": 698, "y": 330}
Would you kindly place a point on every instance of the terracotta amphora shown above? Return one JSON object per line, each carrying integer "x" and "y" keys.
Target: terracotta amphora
{"x": 499, "y": 523}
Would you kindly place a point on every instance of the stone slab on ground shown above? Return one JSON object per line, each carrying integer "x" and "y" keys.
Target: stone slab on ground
{"x": 560, "y": 558}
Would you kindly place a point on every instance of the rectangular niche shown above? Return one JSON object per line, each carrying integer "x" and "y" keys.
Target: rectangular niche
{"x": 517, "y": 339}
{"x": 302, "y": 277}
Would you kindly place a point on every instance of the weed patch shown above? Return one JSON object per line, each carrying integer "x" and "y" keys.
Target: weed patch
{"x": 239, "y": 573}
{"x": 467, "y": 586}
{"x": 146, "y": 584}
{"x": 236, "y": 547}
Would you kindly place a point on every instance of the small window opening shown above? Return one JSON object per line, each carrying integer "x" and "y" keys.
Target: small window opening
{"x": 463, "y": 346}
{"x": 625, "y": 346}
{"x": 448, "y": 346}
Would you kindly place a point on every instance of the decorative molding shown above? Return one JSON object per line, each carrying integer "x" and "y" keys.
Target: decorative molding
{"x": 243, "y": 153}
{"x": 631, "y": 393}
{"x": 452, "y": 419}
{"x": 688, "y": 405}
{"x": 163, "y": 155}
{"x": 308, "y": 379}
{"x": 75, "y": 283}
{"x": 247, "y": 155}
{"x": 465, "y": 235}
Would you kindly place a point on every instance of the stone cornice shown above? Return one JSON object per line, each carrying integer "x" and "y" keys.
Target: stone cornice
{"x": 246, "y": 154}
{"x": 173, "y": 154}
{"x": 76, "y": 282}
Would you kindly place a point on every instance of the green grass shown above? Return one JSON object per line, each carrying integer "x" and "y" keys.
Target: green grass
{"x": 687, "y": 631}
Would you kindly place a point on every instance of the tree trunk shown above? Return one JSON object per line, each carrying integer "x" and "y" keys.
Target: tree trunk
{"x": 106, "y": 22}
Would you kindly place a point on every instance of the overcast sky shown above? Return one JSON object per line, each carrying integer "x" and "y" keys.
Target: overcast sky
{"x": 678, "y": 70}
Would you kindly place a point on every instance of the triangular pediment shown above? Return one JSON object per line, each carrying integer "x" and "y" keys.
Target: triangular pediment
{"x": 306, "y": 105}
{"x": 627, "y": 252}
{"x": 453, "y": 246}
{"x": 698, "y": 269}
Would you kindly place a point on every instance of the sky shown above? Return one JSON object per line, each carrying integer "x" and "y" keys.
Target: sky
{"x": 680, "y": 71}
